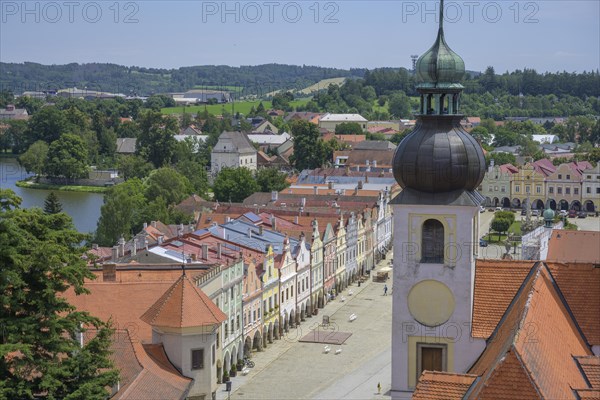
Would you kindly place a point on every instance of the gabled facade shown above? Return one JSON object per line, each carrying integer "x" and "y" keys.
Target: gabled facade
{"x": 530, "y": 183}
{"x": 496, "y": 185}
{"x": 351, "y": 249}
{"x": 341, "y": 255}
{"x": 316, "y": 270}
{"x": 303, "y": 286}
{"x": 270, "y": 298}
{"x": 287, "y": 288}
{"x": 563, "y": 188}
{"x": 383, "y": 225}
{"x": 252, "y": 303}
{"x": 329, "y": 261}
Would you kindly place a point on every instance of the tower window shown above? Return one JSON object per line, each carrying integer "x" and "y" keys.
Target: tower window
{"x": 432, "y": 242}
{"x": 197, "y": 359}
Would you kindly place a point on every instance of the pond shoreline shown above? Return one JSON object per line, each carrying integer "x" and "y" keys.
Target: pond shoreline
{"x": 29, "y": 184}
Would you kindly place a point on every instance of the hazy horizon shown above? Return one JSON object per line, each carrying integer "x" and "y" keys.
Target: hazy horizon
{"x": 548, "y": 36}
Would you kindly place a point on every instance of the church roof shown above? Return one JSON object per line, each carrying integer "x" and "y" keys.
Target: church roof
{"x": 183, "y": 305}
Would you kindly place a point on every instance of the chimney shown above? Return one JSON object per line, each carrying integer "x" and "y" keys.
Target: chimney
{"x": 94, "y": 246}
{"x": 115, "y": 253}
{"x": 360, "y": 184}
{"x": 250, "y": 232}
{"x": 303, "y": 202}
{"x": 330, "y": 185}
{"x": 180, "y": 230}
{"x": 296, "y": 220}
{"x": 145, "y": 225}
{"x": 227, "y": 219}
{"x": 193, "y": 256}
{"x": 204, "y": 251}
{"x": 260, "y": 230}
{"x": 274, "y": 195}
{"x": 121, "y": 246}
{"x": 161, "y": 238}
{"x": 375, "y": 163}
{"x": 219, "y": 250}
{"x": 316, "y": 189}
{"x": 153, "y": 223}
{"x": 134, "y": 247}
{"x": 366, "y": 178}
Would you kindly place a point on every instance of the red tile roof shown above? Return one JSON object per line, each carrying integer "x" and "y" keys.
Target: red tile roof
{"x": 183, "y": 305}
{"x": 443, "y": 386}
{"x": 591, "y": 368}
{"x": 534, "y": 342}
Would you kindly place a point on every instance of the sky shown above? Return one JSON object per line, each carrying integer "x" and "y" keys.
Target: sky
{"x": 547, "y": 35}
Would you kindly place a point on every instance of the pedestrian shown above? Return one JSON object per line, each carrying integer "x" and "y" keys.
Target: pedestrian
{"x": 385, "y": 290}
{"x": 378, "y": 387}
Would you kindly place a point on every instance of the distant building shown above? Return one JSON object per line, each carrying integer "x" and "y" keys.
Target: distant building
{"x": 126, "y": 145}
{"x": 330, "y": 121}
{"x": 10, "y": 112}
{"x": 370, "y": 153}
{"x": 201, "y": 96}
{"x": 233, "y": 150}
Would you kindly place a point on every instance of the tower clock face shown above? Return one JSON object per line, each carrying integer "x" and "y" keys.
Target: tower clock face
{"x": 431, "y": 303}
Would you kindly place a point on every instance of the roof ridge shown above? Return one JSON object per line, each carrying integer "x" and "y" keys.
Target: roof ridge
{"x": 197, "y": 292}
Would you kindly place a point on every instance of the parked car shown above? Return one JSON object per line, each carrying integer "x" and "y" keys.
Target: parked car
{"x": 582, "y": 214}
{"x": 523, "y": 212}
{"x": 481, "y": 209}
{"x": 572, "y": 213}
{"x": 535, "y": 213}
{"x": 563, "y": 213}
{"x": 498, "y": 208}
{"x": 483, "y": 243}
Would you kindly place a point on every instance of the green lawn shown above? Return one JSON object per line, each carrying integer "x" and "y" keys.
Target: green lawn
{"x": 242, "y": 107}
{"x": 61, "y": 188}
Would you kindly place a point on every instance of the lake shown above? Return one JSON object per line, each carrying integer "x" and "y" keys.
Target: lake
{"x": 84, "y": 208}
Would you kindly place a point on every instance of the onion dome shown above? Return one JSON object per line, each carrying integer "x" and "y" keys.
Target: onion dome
{"x": 440, "y": 65}
{"x": 439, "y": 156}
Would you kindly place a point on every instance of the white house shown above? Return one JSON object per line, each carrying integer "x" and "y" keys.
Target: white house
{"x": 233, "y": 149}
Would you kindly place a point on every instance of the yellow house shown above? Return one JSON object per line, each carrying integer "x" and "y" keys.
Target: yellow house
{"x": 270, "y": 282}
{"x": 529, "y": 182}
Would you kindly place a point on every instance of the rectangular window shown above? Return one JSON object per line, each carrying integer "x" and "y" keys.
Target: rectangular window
{"x": 503, "y": 189}
{"x": 253, "y": 316}
{"x": 431, "y": 357}
{"x": 226, "y": 330}
{"x": 567, "y": 190}
{"x": 517, "y": 189}
{"x": 213, "y": 354}
{"x": 588, "y": 190}
{"x": 551, "y": 189}
{"x": 559, "y": 176}
{"x": 559, "y": 190}
{"x": 538, "y": 189}
{"x": 597, "y": 190}
{"x": 568, "y": 176}
{"x": 491, "y": 188}
{"x": 259, "y": 313}
{"x": 576, "y": 191}
{"x": 197, "y": 359}
{"x": 527, "y": 189}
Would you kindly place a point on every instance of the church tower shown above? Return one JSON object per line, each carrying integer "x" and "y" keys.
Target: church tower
{"x": 439, "y": 167}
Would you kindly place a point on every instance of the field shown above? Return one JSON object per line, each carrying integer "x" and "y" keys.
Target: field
{"x": 219, "y": 87}
{"x": 322, "y": 84}
{"x": 242, "y": 107}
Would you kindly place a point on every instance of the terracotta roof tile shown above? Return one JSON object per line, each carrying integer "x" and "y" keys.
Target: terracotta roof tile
{"x": 496, "y": 284}
{"x": 588, "y": 394}
{"x": 183, "y": 305}
{"x": 442, "y": 386}
{"x": 580, "y": 285}
{"x": 145, "y": 371}
{"x": 535, "y": 341}
{"x": 590, "y": 365}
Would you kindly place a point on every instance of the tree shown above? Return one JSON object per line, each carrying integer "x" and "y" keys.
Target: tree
{"x": 52, "y": 205}
{"x": 48, "y": 125}
{"x": 234, "y": 184}
{"x": 133, "y": 166}
{"x": 501, "y": 158}
{"x": 399, "y": 105}
{"x": 67, "y": 157}
{"x": 15, "y": 136}
{"x": 196, "y": 174}
{"x": 500, "y": 225}
{"x": 8, "y": 200}
{"x": 40, "y": 353}
{"x": 481, "y": 134}
{"x": 169, "y": 184}
{"x": 348, "y": 128}
{"x": 121, "y": 213}
{"x": 309, "y": 151}
{"x": 271, "y": 179}
{"x": 34, "y": 159}
{"x": 156, "y": 142}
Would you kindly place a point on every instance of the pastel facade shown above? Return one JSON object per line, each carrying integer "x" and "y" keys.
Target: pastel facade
{"x": 329, "y": 261}
{"x": 270, "y": 297}
{"x": 317, "y": 269}
{"x": 591, "y": 188}
{"x": 252, "y": 303}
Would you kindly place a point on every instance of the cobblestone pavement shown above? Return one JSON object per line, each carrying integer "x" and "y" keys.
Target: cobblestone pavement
{"x": 289, "y": 369}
